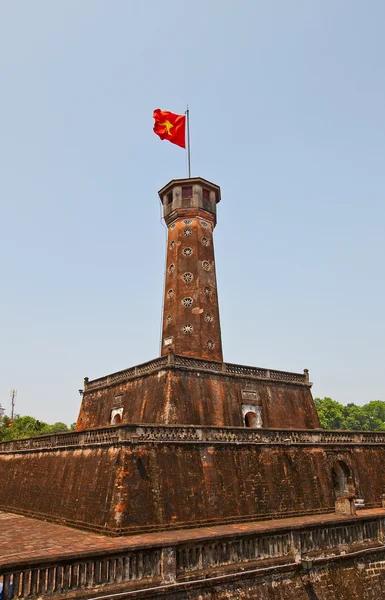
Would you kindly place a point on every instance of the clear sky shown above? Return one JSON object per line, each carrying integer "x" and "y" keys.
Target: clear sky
{"x": 287, "y": 107}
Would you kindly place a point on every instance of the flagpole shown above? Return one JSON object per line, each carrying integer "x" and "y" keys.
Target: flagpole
{"x": 188, "y": 142}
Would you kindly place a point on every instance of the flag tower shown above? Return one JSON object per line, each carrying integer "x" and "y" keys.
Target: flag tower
{"x": 191, "y": 325}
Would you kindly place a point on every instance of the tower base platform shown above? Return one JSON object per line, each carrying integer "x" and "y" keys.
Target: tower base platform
{"x": 139, "y": 478}
{"x": 176, "y": 390}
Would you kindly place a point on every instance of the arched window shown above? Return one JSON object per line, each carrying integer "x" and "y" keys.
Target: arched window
{"x": 252, "y": 416}
{"x": 116, "y": 416}
{"x": 340, "y": 476}
{"x": 251, "y": 419}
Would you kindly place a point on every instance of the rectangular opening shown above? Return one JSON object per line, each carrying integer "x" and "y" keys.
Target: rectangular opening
{"x": 205, "y": 194}
{"x": 187, "y": 192}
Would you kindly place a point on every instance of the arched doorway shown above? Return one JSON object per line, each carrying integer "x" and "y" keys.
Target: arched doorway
{"x": 116, "y": 416}
{"x": 251, "y": 419}
{"x": 340, "y": 477}
{"x": 117, "y": 419}
{"x": 252, "y": 416}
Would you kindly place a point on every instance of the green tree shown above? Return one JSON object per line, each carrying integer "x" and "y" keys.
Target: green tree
{"x": 330, "y": 413}
{"x": 375, "y": 412}
{"x": 27, "y": 426}
{"x": 354, "y": 418}
{"x": 58, "y": 428}
{"x": 333, "y": 415}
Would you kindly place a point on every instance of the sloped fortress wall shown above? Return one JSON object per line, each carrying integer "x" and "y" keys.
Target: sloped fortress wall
{"x": 157, "y": 478}
{"x": 180, "y": 390}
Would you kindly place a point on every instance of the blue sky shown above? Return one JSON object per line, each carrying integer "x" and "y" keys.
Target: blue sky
{"x": 287, "y": 116}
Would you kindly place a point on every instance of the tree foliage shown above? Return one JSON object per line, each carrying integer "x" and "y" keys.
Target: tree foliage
{"x": 24, "y": 427}
{"x": 333, "y": 415}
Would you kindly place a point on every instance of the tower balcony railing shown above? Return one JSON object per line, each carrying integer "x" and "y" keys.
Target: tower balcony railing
{"x": 134, "y": 433}
{"x": 186, "y": 362}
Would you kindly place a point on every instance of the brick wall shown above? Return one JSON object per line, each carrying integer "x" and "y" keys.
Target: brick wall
{"x": 347, "y": 579}
{"x": 175, "y": 396}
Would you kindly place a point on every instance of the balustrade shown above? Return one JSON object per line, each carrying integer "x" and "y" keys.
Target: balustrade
{"x": 198, "y": 558}
{"x": 197, "y": 434}
{"x": 194, "y": 363}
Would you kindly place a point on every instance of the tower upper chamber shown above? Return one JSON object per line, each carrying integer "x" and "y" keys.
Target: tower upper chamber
{"x": 191, "y": 325}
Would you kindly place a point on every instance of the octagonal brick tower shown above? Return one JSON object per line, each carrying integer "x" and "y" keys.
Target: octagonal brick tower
{"x": 191, "y": 324}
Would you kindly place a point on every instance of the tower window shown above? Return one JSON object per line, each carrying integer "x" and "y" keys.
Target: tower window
{"x": 187, "y": 221}
{"x": 187, "y": 329}
{"x": 169, "y": 319}
{"x": 187, "y": 192}
{"x": 172, "y": 245}
{"x": 171, "y": 268}
{"x": 206, "y": 265}
{"x": 187, "y": 302}
{"x": 170, "y": 293}
{"x": 205, "y": 224}
{"x": 205, "y": 194}
{"x": 187, "y": 231}
{"x": 208, "y": 317}
{"x": 207, "y": 291}
{"x": 205, "y": 241}
{"x": 169, "y": 198}
{"x": 187, "y": 277}
{"x": 187, "y": 251}
{"x": 210, "y": 344}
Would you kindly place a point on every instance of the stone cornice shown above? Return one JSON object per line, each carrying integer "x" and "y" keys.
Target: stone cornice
{"x": 199, "y": 365}
{"x": 191, "y": 434}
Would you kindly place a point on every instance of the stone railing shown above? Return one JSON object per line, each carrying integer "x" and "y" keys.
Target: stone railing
{"x": 175, "y": 361}
{"x": 361, "y": 532}
{"x": 121, "y": 434}
{"x": 292, "y": 544}
{"x": 161, "y": 565}
{"x": 63, "y": 576}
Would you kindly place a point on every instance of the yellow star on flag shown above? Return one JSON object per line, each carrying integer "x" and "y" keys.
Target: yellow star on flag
{"x": 168, "y": 126}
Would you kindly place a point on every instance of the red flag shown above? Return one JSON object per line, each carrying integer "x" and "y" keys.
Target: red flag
{"x": 170, "y": 126}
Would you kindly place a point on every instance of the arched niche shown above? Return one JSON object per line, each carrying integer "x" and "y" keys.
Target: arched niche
{"x": 252, "y": 416}
{"x": 251, "y": 419}
{"x": 340, "y": 476}
{"x": 116, "y": 416}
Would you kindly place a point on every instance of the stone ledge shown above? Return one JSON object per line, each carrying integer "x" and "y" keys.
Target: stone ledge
{"x": 192, "y": 434}
{"x": 173, "y": 361}
{"x": 167, "y": 527}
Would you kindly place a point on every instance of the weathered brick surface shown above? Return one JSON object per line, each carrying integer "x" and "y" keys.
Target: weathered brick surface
{"x": 144, "y": 486}
{"x": 175, "y": 396}
{"x": 345, "y": 579}
{"x": 191, "y": 315}
{"x": 71, "y": 485}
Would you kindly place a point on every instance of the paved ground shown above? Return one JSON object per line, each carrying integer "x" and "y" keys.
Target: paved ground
{"x": 24, "y": 538}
